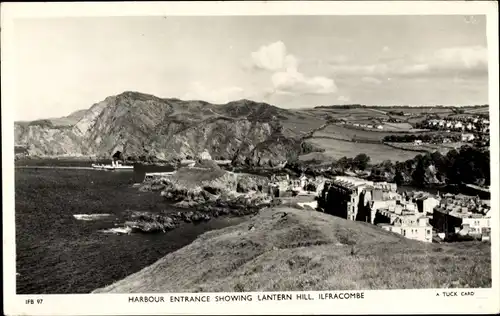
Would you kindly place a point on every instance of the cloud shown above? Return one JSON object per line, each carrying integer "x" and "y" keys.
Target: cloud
{"x": 371, "y": 80}
{"x": 445, "y": 62}
{"x": 461, "y": 58}
{"x": 286, "y": 78}
{"x": 293, "y": 82}
{"x": 385, "y": 49}
{"x": 273, "y": 57}
{"x": 343, "y": 98}
{"x": 197, "y": 91}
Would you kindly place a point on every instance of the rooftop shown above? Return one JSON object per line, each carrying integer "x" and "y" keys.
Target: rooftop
{"x": 352, "y": 181}
{"x": 460, "y": 214}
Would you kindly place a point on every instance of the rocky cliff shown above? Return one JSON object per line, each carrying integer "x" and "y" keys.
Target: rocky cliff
{"x": 145, "y": 127}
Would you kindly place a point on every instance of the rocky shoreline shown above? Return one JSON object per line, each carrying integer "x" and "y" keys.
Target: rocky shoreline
{"x": 204, "y": 192}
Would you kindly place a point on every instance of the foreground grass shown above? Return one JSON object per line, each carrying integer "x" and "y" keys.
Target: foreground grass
{"x": 308, "y": 250}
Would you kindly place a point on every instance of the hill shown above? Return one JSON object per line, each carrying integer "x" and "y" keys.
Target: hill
{"x": 291, "y": 249}
{"x": 69, "y": 120}
{"x": 145, "y": 127}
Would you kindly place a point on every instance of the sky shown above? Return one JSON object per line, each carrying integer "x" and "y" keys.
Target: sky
{"x": 68, "y": 64}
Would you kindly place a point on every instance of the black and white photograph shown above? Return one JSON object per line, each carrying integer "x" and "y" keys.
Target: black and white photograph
{"x": 263, "y": 154}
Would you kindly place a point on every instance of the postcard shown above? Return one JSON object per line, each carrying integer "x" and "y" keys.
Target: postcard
{"x": 250, "y": 158}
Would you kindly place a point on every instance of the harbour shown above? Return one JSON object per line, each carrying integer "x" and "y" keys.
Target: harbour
{"x": 69, "y": 226}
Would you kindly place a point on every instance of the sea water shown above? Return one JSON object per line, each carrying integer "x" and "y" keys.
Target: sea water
{"x": 70, "y": 236}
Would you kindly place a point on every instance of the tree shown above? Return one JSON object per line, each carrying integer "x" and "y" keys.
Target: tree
{"x": 398, "y": 178}
{"x": 361, "y": 161}
{"x": 387, "y": 166}
{"x": 343, "y": 163}
{"x": 418, "y": 176}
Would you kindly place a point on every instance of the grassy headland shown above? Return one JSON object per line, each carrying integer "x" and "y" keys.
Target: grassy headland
{"x": 290, "y": 249}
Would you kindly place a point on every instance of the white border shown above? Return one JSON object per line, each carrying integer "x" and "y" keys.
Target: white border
{"x": 375, "y": 301}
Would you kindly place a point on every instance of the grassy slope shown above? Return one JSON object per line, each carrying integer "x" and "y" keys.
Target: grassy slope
{"x": 309, "y": 250}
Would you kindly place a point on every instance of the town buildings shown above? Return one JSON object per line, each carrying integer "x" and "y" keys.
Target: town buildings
{"x": 425, "y": 202}
{"x": 353, "y": 198}
{"x": 457, "y": 214}
{"x": 412, "y": 214}
{"x": 345, "y": 196}
{"x": 411, "y": 226}
{"x": 402, "y": 215}
{"x": 470, "y": 123}
{"x": 284, "y": 186}
{"x": 278, "y": 185}
{"x": 377, "y": 203}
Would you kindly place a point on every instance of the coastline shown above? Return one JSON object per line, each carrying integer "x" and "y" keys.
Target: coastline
{"x": 62, "y": 230}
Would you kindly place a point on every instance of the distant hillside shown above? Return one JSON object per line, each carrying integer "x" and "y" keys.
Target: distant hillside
{"x": 286, "y": 249}
{"x": 145, "y": 127}
{"x": 360, "y": 106}
{"x": 148, "y": 128}
{"x": 69, "y": 120}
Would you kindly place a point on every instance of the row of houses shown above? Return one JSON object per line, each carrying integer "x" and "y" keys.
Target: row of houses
{"x": 379, "y": 203}
{"x": 475, "y": 124}
{"x": 464, "y": 137}
{"x": 362, "y": 125}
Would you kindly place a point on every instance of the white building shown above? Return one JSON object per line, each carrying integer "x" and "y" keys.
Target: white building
{"x": 415, "y": 227}
{"x": 467, "y": 137}
{"x": 477, "y": 225}
{"x": 459, "y": 125}
{"x": 303, "y": 181}
{"x": 429, "y": 204}
{"x": 426, "y": 203}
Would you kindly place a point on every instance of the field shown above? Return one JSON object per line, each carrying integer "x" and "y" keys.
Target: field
{"x": 415, "y": 110}
{"x": 300, "y": 123}
{"x": 377, "y": 152}
{"x": 404, "y": 127}
{"x": 309, "y": 250}
{"x": 321, "y": 157}
{"x": 353, "y": 134}
{"x": 442, "y": 148}
{"x": 375, "y": 114}
{"x": 348, "y": 140}
{"x": 479, "y": 110}
{"x": 361, "y": 115}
